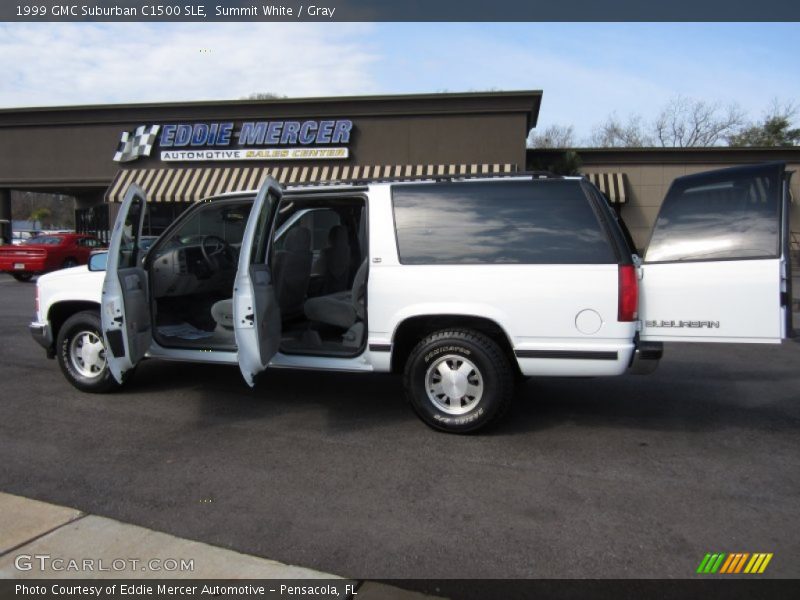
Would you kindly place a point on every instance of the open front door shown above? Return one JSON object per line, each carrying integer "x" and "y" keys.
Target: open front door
{"x": 256, "y": 316}
{"x": 125, "y": 313}
{"x": 717, "y": 266}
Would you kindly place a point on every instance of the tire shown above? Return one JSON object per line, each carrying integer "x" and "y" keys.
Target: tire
{"x": 86, "y": 369}
{"x": 69, "y": 263}
{"x": 22, "y": 276}
{"x": 480, "y": 371}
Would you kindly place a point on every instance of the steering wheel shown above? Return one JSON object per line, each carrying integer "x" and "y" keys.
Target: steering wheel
{"x": 211, "y": 252}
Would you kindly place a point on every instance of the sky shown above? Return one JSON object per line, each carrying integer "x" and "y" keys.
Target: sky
{"x": 587, "y": 71}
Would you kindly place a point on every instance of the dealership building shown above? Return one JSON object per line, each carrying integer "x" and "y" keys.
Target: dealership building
{"x": 182, "y": 152}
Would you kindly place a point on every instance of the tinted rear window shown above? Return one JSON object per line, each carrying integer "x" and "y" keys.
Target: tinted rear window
{"x": 723, "y": 215}
{"x": 46, "y": 240}
{"x": 510, "y": 222}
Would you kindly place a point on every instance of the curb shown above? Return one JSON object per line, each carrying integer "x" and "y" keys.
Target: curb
{"x": 30, "y": 529}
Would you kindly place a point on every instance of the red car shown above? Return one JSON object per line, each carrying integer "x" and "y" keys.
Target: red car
{"x": 47, "y": 253}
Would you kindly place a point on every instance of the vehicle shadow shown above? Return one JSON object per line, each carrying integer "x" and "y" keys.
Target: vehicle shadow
{"x": 672, "y": 402}
{"x": 681, "y": 397}
{"x": 344, "y": 401}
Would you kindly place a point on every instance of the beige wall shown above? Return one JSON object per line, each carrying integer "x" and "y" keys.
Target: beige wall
{"x": 647, "y": 184}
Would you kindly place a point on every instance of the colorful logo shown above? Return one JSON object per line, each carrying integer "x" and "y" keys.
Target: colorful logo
{"x": 737, "y": 562}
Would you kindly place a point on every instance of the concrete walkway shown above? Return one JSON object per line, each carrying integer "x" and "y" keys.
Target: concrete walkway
{"x": 45, "y": 541}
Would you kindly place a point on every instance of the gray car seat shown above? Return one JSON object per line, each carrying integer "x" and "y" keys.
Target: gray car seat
{"x": 335, "y": 261}
{"x": 341, "y": 309}
{"x": 292, "y": 271}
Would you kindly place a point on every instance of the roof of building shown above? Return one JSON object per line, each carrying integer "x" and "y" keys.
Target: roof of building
{"x": 714, "y": 154}
{"x": 528, "y": 101}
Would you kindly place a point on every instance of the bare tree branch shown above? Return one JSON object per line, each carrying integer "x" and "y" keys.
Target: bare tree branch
{"x": 613, "y": 133}
{"x": 688, "y": 123}
{"x": 555, "y": 136}
{"x": 681, "y": 123}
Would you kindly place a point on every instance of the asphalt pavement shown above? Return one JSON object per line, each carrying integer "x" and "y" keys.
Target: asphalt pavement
{"x": 634, "y": 476}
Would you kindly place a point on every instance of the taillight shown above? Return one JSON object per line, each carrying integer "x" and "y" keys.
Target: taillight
{"x": 628, "y": 303}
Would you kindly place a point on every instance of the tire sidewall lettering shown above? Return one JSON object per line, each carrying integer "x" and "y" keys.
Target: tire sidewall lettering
{"x": 442, "y": 349}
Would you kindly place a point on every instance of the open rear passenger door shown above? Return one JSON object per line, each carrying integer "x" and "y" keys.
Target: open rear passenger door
{"x": 717, "y": 266}
{"x": 256, "y": 316}
{"x": 125, "y": 311}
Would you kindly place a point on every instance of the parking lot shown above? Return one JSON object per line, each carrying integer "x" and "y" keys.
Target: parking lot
{"x": 609, "y": 478}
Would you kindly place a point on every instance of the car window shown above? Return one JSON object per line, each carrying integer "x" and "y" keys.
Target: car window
{"x": 319, "y": 222}
{"x": 719, "y": 216}
{"x": 514, "y": 222}
{"x": 46, "y": 240}
{"x": 224, "y": 220}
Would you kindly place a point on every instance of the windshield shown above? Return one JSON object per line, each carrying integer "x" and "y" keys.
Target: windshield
{"x": 225, "y": 221}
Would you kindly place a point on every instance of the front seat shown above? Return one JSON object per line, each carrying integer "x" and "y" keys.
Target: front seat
{"x": 292, "y": 272}
{"x": 341, "y": 309}
{"x": 222, "y": 313}
{"x": 335, "y": 260}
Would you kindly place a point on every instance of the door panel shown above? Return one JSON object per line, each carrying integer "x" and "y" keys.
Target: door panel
{"x": 256, "y": 316}
{"x": 125, "y": 313}
{"x": 716, "y": 266}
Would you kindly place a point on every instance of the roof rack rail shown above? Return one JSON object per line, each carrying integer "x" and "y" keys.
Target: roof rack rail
{"x": 436, "y": 178}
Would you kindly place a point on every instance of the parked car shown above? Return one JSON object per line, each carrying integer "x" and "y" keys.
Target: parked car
{"x": 47, "y": 253}
{"x": 464, "y": 287}
{"x": 20, "y": 237}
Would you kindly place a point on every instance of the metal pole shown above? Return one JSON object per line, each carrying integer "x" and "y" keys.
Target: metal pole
{"x": 5, "y": 216}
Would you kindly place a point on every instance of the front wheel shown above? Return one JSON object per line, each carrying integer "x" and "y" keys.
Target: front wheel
{"x": 81, "y": 353}
{"x": 458, "y": 381}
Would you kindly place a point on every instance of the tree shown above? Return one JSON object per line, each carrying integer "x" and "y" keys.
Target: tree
{"x": 775, "y": 129}
{"x": 555, "y": 136}
{"x": 688, "y": 123}
{"x": 567, "y": 163}
{"x": 681, "y": 123}
{"x": 38, "y": 215}
{"x": 613, "y": 133}
{"x": 263, "y": 96}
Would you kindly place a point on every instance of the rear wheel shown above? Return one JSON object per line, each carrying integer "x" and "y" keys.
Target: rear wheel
{"x": 22, "y": 276}
{"x": 458, "y": 381}
{"x": 82, "y": 353}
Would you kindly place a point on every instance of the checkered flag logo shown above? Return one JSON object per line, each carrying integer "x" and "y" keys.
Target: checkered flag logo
{"x": 136, "y": 144}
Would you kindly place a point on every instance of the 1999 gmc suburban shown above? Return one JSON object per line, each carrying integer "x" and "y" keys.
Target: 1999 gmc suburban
{"x": 462, "y": 285}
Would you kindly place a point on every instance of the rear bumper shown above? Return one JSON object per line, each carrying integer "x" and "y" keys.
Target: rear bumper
{"x": 29, "y": 266}
{"x": 43, "y": 336}
{"x": 645, "y": 357}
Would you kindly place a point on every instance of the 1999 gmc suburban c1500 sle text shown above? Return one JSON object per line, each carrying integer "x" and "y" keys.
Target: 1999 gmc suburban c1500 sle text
{"x": 463, "y": 285}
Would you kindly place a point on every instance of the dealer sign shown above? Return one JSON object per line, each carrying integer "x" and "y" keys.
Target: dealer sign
{"x": 251, "y": 140}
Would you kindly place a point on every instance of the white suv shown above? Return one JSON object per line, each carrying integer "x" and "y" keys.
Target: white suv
{"x": 463, "y": 285}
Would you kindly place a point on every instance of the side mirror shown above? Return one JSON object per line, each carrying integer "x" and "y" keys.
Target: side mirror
{"x": 97, "y": 262}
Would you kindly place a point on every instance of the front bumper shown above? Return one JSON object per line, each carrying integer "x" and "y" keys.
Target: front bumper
{"x": 43, "y": 335}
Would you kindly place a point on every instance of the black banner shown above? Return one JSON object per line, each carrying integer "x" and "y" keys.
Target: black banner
{"x": 394, "y": 10}
{"x": 710, "y": 588}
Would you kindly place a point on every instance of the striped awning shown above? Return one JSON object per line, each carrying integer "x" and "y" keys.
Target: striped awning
{"x": 192, "y": 184}
{"x": 611, "y": 184}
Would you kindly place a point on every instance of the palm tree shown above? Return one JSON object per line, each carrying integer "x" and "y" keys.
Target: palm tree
{"x": 38, "y": 215}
